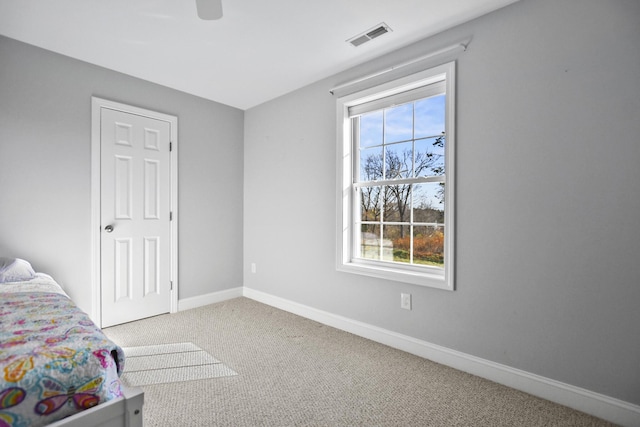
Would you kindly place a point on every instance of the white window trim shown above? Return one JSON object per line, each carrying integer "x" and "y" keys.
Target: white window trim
{"x": 436, "y": 278}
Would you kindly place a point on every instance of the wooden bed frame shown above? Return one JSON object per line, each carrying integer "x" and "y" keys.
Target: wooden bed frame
{"x": 122, "y": 412}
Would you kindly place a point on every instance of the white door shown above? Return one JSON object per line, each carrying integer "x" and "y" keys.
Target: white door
{"x": 135, "y": 203}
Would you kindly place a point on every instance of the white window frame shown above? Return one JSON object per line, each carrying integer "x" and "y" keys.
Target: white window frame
{"x": 441, "y": 278}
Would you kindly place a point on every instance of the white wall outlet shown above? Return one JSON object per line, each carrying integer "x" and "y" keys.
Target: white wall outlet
{"x": 405, "y": 301}
{"x": 253, "y": 267}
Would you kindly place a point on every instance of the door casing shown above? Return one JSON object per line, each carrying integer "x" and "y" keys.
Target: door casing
{"x": 97, "y": 104}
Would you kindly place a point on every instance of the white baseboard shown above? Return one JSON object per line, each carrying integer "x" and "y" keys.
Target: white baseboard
{"x": 601, "y": 406}
{"x": 212, "y": 298}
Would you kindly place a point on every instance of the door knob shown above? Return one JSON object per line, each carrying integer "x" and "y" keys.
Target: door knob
{"x": 108, "y": 228}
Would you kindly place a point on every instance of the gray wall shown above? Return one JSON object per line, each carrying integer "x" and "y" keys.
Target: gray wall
{"x": 45, "y": 170}
{"x": 548, "y": 197}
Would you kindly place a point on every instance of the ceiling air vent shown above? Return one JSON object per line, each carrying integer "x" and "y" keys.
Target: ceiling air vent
{"x": 370, "y": 34}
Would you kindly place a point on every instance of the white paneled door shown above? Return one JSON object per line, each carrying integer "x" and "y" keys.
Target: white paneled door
{"x": 135, "y": 205}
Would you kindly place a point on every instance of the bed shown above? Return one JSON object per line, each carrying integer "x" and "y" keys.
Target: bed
{"x": 57, "y": 367}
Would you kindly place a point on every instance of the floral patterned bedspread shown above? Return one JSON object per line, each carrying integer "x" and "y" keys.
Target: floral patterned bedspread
{"x": 54, "y": 361}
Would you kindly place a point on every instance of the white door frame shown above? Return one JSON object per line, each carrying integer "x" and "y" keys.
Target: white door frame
{"x": 96, "y": 105}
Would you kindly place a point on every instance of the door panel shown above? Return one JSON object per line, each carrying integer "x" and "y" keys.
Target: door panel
{"x": 135, "y": 201}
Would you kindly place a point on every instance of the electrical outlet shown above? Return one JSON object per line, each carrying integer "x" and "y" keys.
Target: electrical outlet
{"x": 405, "y": 301}
{"x": 253, "y": 267}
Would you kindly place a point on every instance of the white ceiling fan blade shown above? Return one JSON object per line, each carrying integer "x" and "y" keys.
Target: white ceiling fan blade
{"x": 209, "y": 9}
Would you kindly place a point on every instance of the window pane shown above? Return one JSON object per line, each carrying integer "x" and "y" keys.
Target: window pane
{"x": 397, "y": 243}
{"x": 370, "y": 203}
{"x": 428, "y": 245}
{"x": 398, "y": 123}
{"x": 430, "y": 157}
{"x": 371, "y": 164}
{"x": 370, "y": 241}
{"x": 390, "y": 235}
{"x": 428, "y": 202}
{"x": 371, "y": 129}
{"x": 397, "y": 202}
{"x": 430, "y": 117}
{"x": 398, "y": 160}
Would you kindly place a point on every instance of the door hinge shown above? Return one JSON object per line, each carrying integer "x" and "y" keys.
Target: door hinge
{"x": 171, "y": 216}
{"x": 170, "y": 146}
{"x": 171, "y": 284}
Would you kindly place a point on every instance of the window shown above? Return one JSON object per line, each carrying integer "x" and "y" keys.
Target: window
{"x": 396, "y": 183}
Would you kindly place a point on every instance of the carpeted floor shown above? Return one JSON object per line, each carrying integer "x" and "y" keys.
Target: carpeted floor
{"x": 296, "y": 372}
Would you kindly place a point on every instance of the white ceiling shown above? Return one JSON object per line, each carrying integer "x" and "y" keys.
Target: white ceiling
{"x": 259, "y": 50}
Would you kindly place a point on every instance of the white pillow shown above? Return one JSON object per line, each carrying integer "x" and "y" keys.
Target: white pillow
{"x": 15, "y": 270}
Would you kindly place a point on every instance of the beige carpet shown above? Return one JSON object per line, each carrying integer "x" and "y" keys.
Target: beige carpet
{"x": 296, "y": 372}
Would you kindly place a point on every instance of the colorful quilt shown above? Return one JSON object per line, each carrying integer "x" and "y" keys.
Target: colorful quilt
{"x": 54, "y": 361}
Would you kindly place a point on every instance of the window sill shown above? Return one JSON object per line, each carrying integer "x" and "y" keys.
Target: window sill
{"x": 378, "y": 270}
